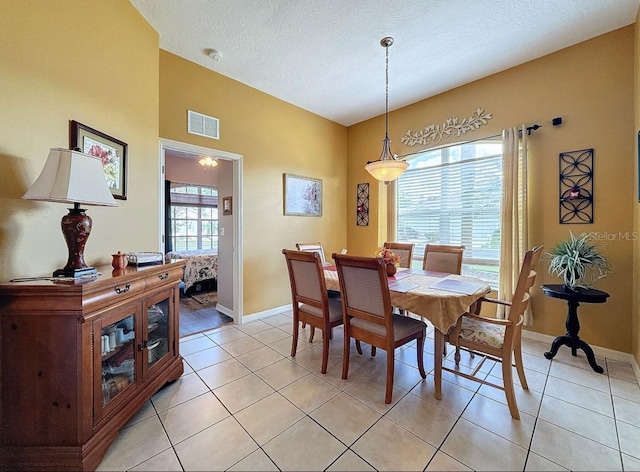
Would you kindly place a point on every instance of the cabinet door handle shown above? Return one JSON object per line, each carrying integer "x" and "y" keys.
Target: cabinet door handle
{"x": 163, "y": 276}
{"x": 142, "y": 345}
{"x": 123, "y": 290}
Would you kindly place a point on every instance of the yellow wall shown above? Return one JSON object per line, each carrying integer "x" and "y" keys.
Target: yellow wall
{"x": 94, "y": 62}
{"x": 590, "y": 86}
{"x": 274, "y": 137}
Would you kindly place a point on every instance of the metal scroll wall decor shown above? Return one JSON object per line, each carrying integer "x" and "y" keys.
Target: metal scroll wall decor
{"x": 362, "y": 205}
{"x": 576, "y": 187}
{"x": 451, "y": 128}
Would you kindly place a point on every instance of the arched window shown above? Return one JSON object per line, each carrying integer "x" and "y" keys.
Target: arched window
{"x": 193, "y": 217}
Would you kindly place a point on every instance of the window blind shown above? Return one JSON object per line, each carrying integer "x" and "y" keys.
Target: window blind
{"x": 452, "y": 196}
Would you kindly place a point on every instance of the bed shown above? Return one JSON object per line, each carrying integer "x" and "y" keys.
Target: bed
{"x": 201, "y": 266}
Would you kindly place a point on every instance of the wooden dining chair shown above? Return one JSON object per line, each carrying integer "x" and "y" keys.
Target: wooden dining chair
{"x": 368, "y": 315}
{"x": 311, "y": 304}
{"x": 404, "y": 250}
{"x": 443, "y": 258}
{"x": 313, "y": 247}
{"x": 498, "y": 339}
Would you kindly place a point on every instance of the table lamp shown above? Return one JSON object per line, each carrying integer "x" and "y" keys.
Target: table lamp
{"x": 73, "y": 177}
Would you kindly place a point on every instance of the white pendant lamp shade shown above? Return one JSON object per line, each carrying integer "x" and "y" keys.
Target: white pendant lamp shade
{"x": 386, "y": 171}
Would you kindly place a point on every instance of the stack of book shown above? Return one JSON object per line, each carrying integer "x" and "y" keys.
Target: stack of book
{"x": 141, "y": 258}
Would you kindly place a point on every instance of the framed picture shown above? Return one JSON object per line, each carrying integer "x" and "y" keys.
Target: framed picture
{"x": 226, "y": 206}
{"x": 112, "y": 151}
{"x": 302, "y": 195}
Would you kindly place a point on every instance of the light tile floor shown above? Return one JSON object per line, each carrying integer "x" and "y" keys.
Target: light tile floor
{"x": 244, "y": 404}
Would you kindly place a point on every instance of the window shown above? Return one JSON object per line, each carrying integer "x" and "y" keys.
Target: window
{"x": 194, "y": 217}
{"x": 452, "y": 195}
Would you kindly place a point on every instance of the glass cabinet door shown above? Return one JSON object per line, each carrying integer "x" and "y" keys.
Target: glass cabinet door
{"x": 117, "y": 355}
{"x": 158, "y": 329}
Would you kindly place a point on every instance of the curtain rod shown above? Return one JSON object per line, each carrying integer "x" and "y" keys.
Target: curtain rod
{"x": 555, "y": 122}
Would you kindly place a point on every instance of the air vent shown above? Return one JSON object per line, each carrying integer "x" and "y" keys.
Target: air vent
{"x": 203, "y": 125}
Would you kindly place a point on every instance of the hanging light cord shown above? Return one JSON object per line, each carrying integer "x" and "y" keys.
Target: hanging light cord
{"x": 386, "y": 92}
{"x": 386, "y": 154}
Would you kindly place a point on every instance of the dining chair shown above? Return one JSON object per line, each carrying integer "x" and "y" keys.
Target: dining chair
{"x": 368, "y": 315}
{"x": 311, "y": 303}
{"x": 313, "y": 247}
{"x": 404, "y": 250}
{"x": 443, "y": 258}
{"x": 498, "y": 339}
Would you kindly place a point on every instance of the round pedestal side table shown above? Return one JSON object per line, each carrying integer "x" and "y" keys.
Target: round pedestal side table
{"x": 571, "y": 339}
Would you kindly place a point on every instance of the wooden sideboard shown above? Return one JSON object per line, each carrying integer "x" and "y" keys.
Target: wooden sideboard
{"x": 79, "y": 358}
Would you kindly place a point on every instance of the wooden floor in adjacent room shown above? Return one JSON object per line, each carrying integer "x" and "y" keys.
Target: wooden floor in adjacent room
{"x": 198, "y": 313}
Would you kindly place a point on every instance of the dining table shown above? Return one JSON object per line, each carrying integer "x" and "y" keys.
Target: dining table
{"x": 441, "y": 298}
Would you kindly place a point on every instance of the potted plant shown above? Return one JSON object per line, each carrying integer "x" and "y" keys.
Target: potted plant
{"x": 577, "y": 262}
{"x": 391, "y": 259}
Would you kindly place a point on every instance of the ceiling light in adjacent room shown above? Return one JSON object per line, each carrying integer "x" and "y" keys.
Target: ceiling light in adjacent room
{"x": 208, "y": 162}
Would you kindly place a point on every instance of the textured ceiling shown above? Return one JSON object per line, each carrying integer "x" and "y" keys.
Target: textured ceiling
{"x": 325, "y": 55}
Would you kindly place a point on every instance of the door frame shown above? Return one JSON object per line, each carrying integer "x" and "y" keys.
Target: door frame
{"x": 237, "y": 276}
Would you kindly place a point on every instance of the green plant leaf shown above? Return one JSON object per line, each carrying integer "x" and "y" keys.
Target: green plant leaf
{"x": 577, "y": 261}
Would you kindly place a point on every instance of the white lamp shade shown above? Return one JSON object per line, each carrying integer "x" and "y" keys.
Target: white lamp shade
{"x": 71, "y": 177}
{"x": 386, "y": 170}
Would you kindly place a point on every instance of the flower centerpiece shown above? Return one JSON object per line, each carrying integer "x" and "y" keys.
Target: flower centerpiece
{"x": 577, "y": 262}
{"x": 390, "y": 258}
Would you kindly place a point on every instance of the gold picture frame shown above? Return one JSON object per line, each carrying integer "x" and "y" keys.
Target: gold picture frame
{"x": 302, "y": 196}
{"x": 227, "y": 208}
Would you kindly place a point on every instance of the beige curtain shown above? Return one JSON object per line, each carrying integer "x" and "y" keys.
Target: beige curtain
{"x": 514, "y": 240}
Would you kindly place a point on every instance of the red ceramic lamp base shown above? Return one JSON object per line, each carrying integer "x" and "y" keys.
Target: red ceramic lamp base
{"x": 76, "y": 227}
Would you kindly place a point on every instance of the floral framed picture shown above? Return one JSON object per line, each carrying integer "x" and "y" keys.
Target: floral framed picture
{"x": 302, "y": 195}
{"x": 111, "y": 151}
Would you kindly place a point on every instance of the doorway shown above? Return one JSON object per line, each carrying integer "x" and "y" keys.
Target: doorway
{"x": 229, "y": 281}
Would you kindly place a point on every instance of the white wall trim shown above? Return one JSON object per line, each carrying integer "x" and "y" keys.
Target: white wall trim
{"x": 597, "y": 350}
{"x": 224, "y": 310}
{"x": 270, "y": 312}
{"x": 238, "y": 294}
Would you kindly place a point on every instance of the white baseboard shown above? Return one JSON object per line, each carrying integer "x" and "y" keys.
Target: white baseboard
{"x": 264, "y": 314}
{"x": 224, "y": 310}
{"x": 597, "y": 350}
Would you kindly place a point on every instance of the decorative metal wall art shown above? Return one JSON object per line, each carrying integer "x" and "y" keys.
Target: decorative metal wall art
{"x": 362, "y": 205}
{"x": 576, "y": 187}
{"x": 452, "y": 127}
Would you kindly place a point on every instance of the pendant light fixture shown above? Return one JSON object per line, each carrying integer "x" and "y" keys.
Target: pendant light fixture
{"x": 387, "y": 167}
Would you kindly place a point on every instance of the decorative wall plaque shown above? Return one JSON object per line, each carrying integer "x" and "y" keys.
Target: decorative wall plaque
{"x": 362, "y": 205}
{"x": 452, "y": 127}
{"x": 576, "y": 187}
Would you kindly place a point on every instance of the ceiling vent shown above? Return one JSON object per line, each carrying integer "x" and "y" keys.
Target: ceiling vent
{"x": 203, "y": 125}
